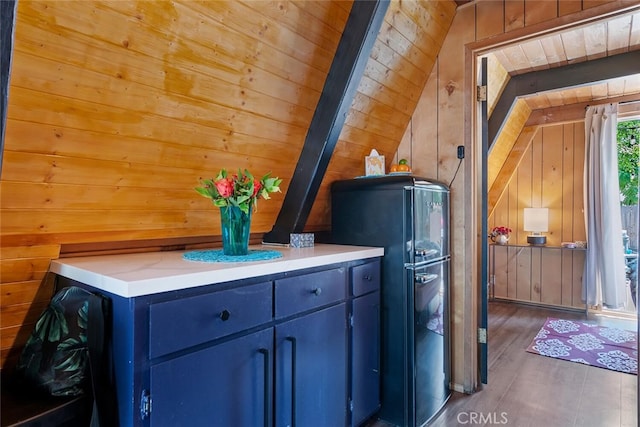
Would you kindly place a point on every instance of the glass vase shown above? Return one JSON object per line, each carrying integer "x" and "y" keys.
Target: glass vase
{"x": 235, "y": 226}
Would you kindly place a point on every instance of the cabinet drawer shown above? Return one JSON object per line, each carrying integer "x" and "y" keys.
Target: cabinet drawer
{"x": 365, "y": 278}
{"x": 300, "y": 293}
{"x": 178, "y": 324}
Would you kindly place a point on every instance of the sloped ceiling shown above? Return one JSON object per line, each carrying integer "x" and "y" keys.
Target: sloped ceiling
{"x": 118, "y": 108}
{"x": 607, "y": 37}
{"x": 180, "y": 90}
{"x": 398, "y": 68}
{"x": 600, "y": 39}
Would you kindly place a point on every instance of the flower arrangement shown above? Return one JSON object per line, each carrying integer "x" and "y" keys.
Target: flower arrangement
{"x": 500, "y": 235}
{"x": 500, "y": 231}
{"x": 240, "y": 189}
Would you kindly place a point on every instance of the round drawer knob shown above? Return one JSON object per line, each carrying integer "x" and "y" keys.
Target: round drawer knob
{"x": 316, "y": 291}
{"x": 225, "y": 315}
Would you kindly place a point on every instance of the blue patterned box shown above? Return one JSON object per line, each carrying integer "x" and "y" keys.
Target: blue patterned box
{"x": 301, "y": 240}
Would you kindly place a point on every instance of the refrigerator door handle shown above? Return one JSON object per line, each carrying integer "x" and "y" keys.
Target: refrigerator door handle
{"x": 426, "y": 252}
{"x": 424, "y": 278}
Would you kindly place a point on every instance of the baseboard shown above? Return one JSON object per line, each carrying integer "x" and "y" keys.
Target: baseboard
{"x": 539, "y": 304}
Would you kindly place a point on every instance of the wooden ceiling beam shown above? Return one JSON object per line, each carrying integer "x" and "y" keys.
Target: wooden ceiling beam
{"x": 509, "y": 166}
{"x": 7, "y": 18}
{"x": 576, "y": 112}
{"x": 507, "y": 139}
{"x": 347, "y": 69}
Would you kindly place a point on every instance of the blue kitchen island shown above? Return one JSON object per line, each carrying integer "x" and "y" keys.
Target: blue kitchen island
{"x": 288, "y": 341}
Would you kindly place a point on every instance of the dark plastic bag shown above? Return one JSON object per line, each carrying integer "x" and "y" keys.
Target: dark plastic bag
{"x": 55, "y": 358}
{"x": 67, "y": 353}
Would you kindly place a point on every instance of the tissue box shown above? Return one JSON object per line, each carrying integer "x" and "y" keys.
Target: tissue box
{"x": 374, "y": 164}
{"x": 301, "y": 240}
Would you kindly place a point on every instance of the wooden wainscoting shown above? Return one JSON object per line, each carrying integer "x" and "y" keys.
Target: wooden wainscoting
{"x": 542, "y": 275}
{"x": 25, "y": 291}
{"x": 550, "y": 175}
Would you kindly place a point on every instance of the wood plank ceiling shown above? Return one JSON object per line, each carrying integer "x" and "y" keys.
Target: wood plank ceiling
{"x": 117, "y": 108}
{"x": 619, "y": 33}
{"x": 600, "y": 39}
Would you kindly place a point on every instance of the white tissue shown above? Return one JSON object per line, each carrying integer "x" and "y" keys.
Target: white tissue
{"x": 374, "y": 164}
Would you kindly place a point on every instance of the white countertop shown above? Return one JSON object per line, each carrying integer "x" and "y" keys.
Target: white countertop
{"x": 131, "y": 275}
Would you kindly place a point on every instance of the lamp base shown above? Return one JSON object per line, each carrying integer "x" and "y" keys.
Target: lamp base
{"x": 536, "y": 240}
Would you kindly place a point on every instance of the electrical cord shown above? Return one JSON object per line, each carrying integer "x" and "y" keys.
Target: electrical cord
{"x": 456, "y": 173}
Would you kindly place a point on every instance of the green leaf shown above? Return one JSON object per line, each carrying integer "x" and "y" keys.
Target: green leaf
{"x": 628, "y": 135}
{"x": 52, "y": 325}
{"x": 83, "y": 315}
{"x": 75, "y": 358}
{"x": 243, "y": 189}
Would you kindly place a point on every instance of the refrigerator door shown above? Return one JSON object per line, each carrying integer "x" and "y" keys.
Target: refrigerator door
{"x": 427, "y": 223}
{"x": 430, "y": 350}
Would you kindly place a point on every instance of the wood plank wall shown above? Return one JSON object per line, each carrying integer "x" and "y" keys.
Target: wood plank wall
{"x": 401, "y": 61}
{"x": 443, "y": 120}
{"x": 550, "y": 175}
{"x": 118, "y": 108}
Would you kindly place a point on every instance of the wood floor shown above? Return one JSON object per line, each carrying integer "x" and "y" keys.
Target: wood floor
{"x": 525, "y": 389}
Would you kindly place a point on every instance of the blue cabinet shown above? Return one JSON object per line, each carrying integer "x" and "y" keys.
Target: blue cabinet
{"x": 185, "y": 322}
{"x": 311, "y": 369}
{"x": 276, "y": 350}
{"x": 365, "y": 357}
{"x": 311, "y": 349}
{"x": 224, "y": 385}
{"x": 365, "y": 342}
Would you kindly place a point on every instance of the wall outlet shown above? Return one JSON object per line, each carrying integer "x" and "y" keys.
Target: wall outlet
{"x": 461, "y": 152}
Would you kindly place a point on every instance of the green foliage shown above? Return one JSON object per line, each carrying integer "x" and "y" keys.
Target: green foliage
{"x": 52, "y": 325}
{"x": 240, "y": 189}
{"x": 74, "y": 357}
{"x": 628, "y": 160}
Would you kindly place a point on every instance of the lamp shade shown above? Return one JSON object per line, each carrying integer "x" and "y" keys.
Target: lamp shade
{"x": 536, "y": 219}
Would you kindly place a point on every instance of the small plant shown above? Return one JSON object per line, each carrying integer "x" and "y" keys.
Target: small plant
{"x": 240, "y": 189}
{"x": 500, "y": 231}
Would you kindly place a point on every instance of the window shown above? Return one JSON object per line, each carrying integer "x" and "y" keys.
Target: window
{"x": 628, "y": 138}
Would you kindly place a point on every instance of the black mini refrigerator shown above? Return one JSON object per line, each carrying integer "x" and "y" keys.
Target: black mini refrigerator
{"x": 409, "y": 217}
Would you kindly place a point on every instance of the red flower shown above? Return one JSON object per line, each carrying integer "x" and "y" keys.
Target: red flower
{"x": 239, "y": 189}
{"x": 500, "y": 230}
{"x": 256, "y": 188}
{"x": 224, "y": 187}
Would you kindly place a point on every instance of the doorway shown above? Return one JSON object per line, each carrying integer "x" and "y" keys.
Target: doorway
{"x": 538, "y": 108}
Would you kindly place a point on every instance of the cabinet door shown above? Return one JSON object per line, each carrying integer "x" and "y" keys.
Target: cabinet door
{"x": 365, "y": 357}
{"x": 225, "y": 385}
{"x": 311, "y": 374}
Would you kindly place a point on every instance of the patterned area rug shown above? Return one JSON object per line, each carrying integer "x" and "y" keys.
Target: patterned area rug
{"x": 586, "y": 343}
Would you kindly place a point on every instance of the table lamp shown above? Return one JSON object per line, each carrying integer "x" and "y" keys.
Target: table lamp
{"x": 536, "y": 220}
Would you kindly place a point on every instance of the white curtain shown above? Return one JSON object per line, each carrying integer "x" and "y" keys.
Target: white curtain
{"x": 604, "y": 272}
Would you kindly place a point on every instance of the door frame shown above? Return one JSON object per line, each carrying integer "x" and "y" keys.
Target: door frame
{"x": 477, "y": 249}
